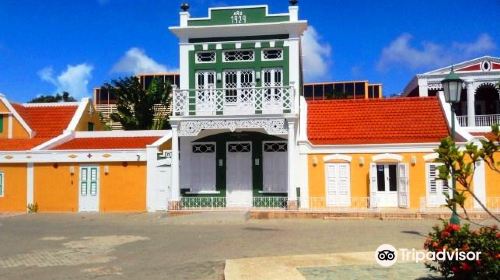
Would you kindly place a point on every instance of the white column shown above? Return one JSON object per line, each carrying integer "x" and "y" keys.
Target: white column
{"x": 175, "y": 165}
{"x": 292, "y": 193}
{"x": 471, "y": 108}
{"x": 10, "y": 127}
{"x": 423, "y": 88}
{"x": 30, "y": 184}
{"x": 479, "y": 187}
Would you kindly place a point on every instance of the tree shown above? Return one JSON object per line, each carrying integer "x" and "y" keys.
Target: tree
{"x": 136, "y": 105}
{"x": 463, "y": 162}
{"x": 64, "y": 97}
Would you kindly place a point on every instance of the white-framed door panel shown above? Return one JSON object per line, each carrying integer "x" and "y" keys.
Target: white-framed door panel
{"x": 239, "y": 182}
{"x": 275, "y": 166}
{"x": 89, "y": 188}
{"x": 203, "y": 167}
{"x": 272, "y": 82}
{"x": 386, "y": 185}
{"x": 338, "y": 184}
{"x": 205, "y": 93}
{"x": 239, "y": 87}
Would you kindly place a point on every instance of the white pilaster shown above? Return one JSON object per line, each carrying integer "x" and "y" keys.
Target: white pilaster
{"x": 304, "y": 181}
{"x": 292, "y": 193}
{"x": 10, "y": 127}
{"x": 30, "y": 183}
{"x": 184, "y": 16}
{"x": 471, "y": 108}
{"x": 151, "y": 156}
{"x": 423, "y": 89}
{"x": 175, "y": 164}
{"x": 293, "y": 11}
{"x": 479, "y": 187}
{"x": 294, "y": 64}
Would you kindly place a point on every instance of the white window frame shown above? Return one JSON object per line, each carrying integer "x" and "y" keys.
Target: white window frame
{"x": 204, "y": 62}
{"x": 2, "y": 184}
{"x": 270, "y": 49}
{"x": 237, "y": 50}
{"x": 428, "y": 186}
{"x": 339, "y": 199}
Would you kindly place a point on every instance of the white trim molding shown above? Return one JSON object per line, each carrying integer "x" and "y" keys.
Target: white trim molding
{"x": 387, "y": 156}
{"x": 30, "y": 172}
{"x": 194, "y": 127}
{"x": 430, "y": 157}
{"x": 82, "y": 105}
{"x": 337, "y": 157}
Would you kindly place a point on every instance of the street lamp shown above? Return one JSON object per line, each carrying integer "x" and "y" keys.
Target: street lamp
{"x": 452, "y": 86}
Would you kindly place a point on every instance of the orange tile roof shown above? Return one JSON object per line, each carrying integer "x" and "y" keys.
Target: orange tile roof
{"x": 20, "y": 144}
{"x": 103, "y": 143}
{"x": 46, "y": 121}
{"x": 488, "y": 135}
{"x": 376, "y": 121}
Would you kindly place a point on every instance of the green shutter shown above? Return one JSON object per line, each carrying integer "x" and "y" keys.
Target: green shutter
{"x": 1, "y": 123}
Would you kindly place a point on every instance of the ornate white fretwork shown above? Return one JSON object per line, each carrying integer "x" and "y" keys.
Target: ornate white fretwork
{"x": 271, "y": 126}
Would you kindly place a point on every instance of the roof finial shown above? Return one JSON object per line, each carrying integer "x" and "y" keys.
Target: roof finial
{"x": 185, "y": 7}
{"x": 293, "y": 2}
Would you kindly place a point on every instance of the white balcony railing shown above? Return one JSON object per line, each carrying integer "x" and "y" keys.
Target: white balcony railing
{"x": 234, "y": 101}
{"x": 492, "y": 203}
{"x": 480, "y": 120}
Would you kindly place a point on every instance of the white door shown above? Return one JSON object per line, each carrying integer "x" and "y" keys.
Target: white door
{"x": 435, "y": 187}
{"x": 275, "y": 166}
{"x": 273, "y": 92}
{"x": 205, "y": 93}
{"x": 337, "y": 184}
{"x": 239, "y": 86}
{"x": 89, "y": 189}
{"x": 387, "y": 185}
{"x": 163, "y": 189}
{"x": 239, "y": 174}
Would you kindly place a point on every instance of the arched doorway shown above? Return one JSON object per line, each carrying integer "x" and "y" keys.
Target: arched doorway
{"x": 487, "y": 101}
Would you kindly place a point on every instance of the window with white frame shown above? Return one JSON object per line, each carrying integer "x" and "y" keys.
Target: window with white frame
{"x": 238, "y": 55}
{"x": 436, "y": 187}
{"x": 205, "y": 57}
{"x": 272, "y": 54}
{"x": 1, "y": 184}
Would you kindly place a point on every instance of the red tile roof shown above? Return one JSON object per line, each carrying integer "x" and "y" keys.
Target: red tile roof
{"x": 103, "y": 143}
{"x": 46, "y": 121}
{"x": 376, "y": 121}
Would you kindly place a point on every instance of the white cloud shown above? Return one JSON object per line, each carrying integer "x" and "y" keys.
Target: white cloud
{"x": 317, "y": 55}
{"x": 136, "y": 61}
{"x": 400, "y": 52}
{"x": 74, "y": 79}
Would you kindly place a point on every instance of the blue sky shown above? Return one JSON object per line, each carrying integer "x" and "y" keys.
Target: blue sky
{"x": 49, "y": 46}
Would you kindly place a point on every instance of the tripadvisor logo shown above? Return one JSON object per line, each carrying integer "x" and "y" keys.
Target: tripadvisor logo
{"x": 386, "y": 255}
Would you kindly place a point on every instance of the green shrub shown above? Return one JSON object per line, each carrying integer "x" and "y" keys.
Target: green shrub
{"x": 32, "y": 207}
{"x": 453, "y": 237}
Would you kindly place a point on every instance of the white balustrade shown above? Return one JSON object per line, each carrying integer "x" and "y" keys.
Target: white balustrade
{"x": 233, "y": 101}
{"x": 480, "y": 120}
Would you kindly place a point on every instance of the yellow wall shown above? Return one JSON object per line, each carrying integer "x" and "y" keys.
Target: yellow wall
{"x": 123, "y": 189}
{"x": 360, "y": 176}
{"x": 492, "y": 182}
{"x": 55, "y": 189}
{"x": 86, "y": 118}
{"x": 14, "y": 196}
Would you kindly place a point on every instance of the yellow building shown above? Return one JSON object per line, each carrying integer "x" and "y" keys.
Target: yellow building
{"x": 379, "y": 153}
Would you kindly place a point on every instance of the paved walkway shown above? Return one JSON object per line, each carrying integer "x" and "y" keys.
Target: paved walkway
{"x": 155, "y": 246}
{"x": 360, "y": 265}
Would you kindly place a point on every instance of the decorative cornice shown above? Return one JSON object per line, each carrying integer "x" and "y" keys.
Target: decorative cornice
{"x": 194, "y": 127}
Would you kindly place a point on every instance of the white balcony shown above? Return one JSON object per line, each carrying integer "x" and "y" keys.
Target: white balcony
{"x": 234, "y": 101}
{"x": 480, "y": 120}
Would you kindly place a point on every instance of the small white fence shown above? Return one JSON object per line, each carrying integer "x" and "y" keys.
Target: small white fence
{"x": 492, "y": 203}
{"x": 353, "y": 204}
{"x": 214, "y": 203}
{"x": 480, "y": 120}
